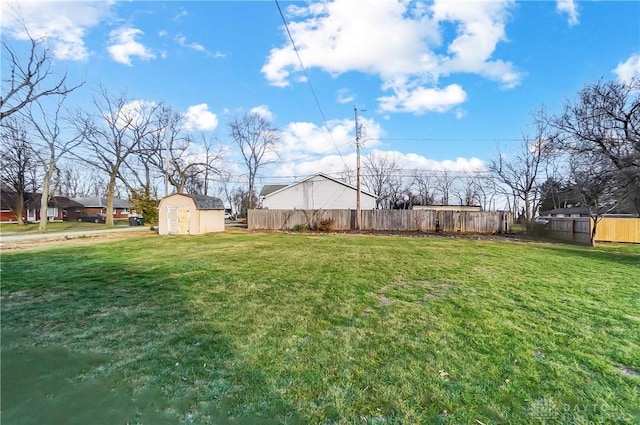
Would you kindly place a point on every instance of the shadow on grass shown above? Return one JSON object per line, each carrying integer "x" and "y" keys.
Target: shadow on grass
{"x": 88, "y": 339}
{"x": 627, "y": 255}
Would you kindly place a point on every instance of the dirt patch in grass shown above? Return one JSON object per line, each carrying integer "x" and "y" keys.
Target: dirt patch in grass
{"x": 629, "y": 370}
{"x": 384, "y": 301}
{"x": 29, "y": 245}
{"x": 417, "y": 292}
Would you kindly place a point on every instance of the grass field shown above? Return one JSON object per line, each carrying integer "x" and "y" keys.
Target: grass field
{"x": 243, "y": 328}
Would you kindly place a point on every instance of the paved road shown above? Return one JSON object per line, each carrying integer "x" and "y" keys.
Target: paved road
{"x": 69, "y": 235}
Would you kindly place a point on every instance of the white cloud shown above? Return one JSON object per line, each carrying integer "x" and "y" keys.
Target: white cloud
{"x": 628, "y": 69}
{"x": 570, "y": 8}
{"x": 460, "y": 113}
{"x": 480, "y": 27}
{"x": 335, "y": 164}
{"x": 180, "y": 14}
{"x": 329, "y": 164}
{"x": 62, "y": 24}
{"x": 345, "y": 96}
{"x": 198, "y": 117}
{"x": 263, "y": 111}
{"x": 421, "y": 100}
{"x": 135, "y": 113}
{"x": 302, "y": 139}
{"x": 401, "y": 42}
{"x": 182, "y": 40}
{"x": 123, "y": 46}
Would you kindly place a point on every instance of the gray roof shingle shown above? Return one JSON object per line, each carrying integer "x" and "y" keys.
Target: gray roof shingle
{"x": 206, "y": 202}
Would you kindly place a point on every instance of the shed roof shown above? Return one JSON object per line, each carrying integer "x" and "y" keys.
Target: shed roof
{"x": 203, "y": 202}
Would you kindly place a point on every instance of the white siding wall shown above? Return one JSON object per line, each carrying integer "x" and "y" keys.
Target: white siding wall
{"x": 318, "y": 193}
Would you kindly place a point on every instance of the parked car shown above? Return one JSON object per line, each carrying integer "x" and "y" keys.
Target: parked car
{"x": 228, "y": 216}
{"x": 542, "y": 220}
{"x": 93, "y": 218}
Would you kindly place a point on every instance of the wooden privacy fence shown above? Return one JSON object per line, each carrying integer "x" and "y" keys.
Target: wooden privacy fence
{"x": 385, "y": 220}
{"x": 609, "y": 229}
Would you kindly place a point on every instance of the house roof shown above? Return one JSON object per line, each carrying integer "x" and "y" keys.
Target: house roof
{"x": 270, "y": 188}
{"x": 33, "y": 201}
{"x": 203, "y": 202}
{"x": 96, "y": 202}
{"x": 284, "y": 187}
{"x": 6, "y": 200}
{"x": 583, "y": 211}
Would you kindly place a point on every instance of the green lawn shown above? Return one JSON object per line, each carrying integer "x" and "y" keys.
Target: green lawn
{"x": 243, "y": 328}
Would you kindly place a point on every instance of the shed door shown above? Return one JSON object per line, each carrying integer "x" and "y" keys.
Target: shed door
{"x": 178, "y": 220}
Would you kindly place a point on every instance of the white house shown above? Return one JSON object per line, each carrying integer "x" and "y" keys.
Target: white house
{"x": 315, "y": 192}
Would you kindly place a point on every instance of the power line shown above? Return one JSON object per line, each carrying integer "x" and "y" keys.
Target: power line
{"x": 426, "y": 139}
{"x": 306, "y": 74}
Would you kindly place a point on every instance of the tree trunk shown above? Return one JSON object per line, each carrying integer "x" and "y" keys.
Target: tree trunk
{"x": 592, "y": 239}
{"x": 111, "y": 189}
{"x": 44, "y": 199}
{"x": 18, "y": 209}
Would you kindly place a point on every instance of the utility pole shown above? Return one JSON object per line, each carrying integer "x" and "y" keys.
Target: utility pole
{"x": 358, "y": 134}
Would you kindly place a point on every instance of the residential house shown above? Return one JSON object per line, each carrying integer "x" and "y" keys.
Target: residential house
{"x": 59, "y": 208}
{"x": 466, "y": 208}
{"x": 573, "y": 212}
{"x": 121, "y": 207}
{"x": 318, "y": 191}
{"x": 7, "y": 200}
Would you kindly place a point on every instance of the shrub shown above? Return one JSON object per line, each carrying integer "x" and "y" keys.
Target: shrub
{"x": 325, "y": 225}
{"x": 300, "y": 227}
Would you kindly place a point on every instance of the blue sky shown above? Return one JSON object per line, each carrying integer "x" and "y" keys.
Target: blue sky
{"x": 439, "y": 83}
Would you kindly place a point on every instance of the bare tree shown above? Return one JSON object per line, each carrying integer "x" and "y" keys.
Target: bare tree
{"x": 55, "y": 143}
{"x": 226, "y": 189}
{"x": 71, "y": 180}
{"x": 348, "y": 175}
{"x": 444, "y": 183}
{"x": 524, "y": 172}
{"x": 378, "y": 171}
{"x": 423, "y": 183}
{"x": 467, "y": 191}
{"x": 596, "y": 186}
{"x": 242, "y": 200}
{"x": 17, "y": 159}
{"x": 400, "y": 195}
{"x": 257, "y": 139}
{"x": 29, "y": 79}
{"x": 202, "y": 161}
{"x": 485, "y": 189}
{"x": 114, "y": 135}
{"x": 213, "y": 158}
{"x": 604, "y": 120}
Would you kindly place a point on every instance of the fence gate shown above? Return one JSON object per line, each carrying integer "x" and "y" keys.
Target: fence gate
{"x": 178, "y": 220}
